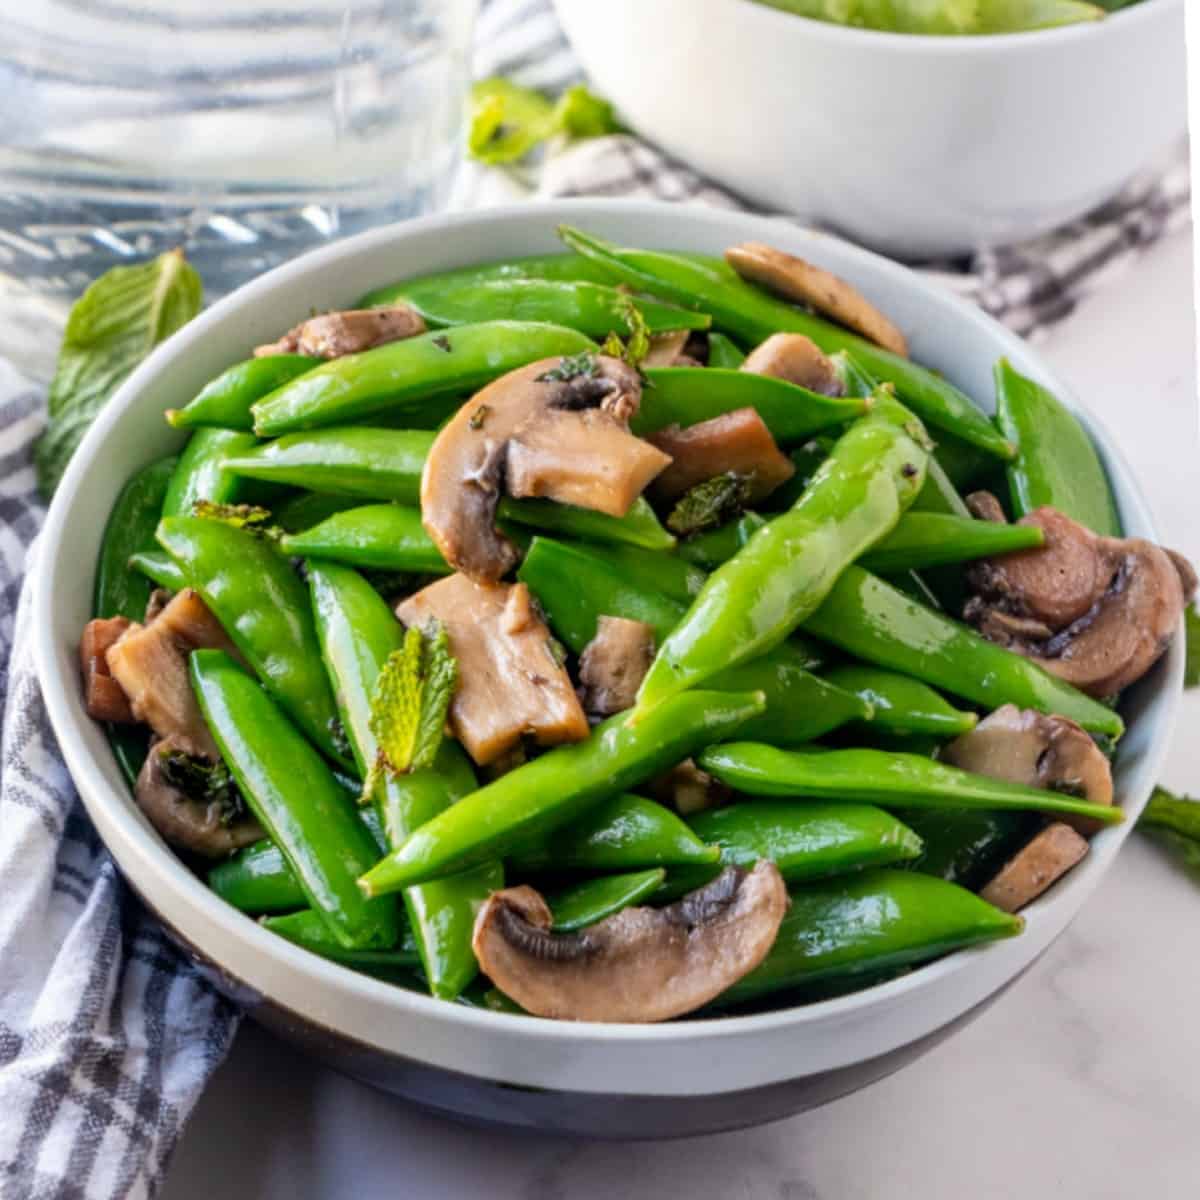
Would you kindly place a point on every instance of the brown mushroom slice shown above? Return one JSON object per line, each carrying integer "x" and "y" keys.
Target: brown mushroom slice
{"x": 641, "y": 964}
{"x": 795, "y": 279}
{"x": 557, "y": 428}
{"x": 737, "y": 441}
{"x": 1097, "y": 612}
{"x": 150, "y": 664}
{"x": 1037, "y": 750}
{"x": 510, "y": 681}
{"x": 335, "y": 334}
{"x": 796, "y": 359}
{"x": 1038, "y": 864}
{"x": 614, "y": 663}
{"x": 687, "y": 789}
{"x": 102, "y": 694}
{"x": 199, "y": 826}
{"x": 667, "y": 350}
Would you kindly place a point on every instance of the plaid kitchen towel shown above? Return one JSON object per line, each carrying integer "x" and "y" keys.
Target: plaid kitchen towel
{"x": 1028, "y": 286}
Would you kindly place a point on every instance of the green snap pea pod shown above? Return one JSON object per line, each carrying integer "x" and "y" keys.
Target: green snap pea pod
{"x": 638, "y": 527}
{"x": 568, "y": 268}
{"x": 404, "y": 377}
{"x": 1056, "y": 464}
{"x": 651, "y": 570}
{"x": 594, "y": 899}
{"x": 551, "y": 790}
{"x": 623, "y": 833}
{"x": 595, "y": 309}
{"x": 807, "y": 460}
{"x": 968, "y": 846}
{"x": 877, "y": 777}
{"x": 924, "y": 539}
{"x": 709, "y": 550}
{"x": 358, "y": 632}
{"x": 689, "y": 395}
{"x": 121, "y": 590}
{"x": 307, "y": 929}
{"x": 388, "y": 537}
{"x": 966, "y": 466}
{"x": 780, "y": 576}
{"x": 265, "y": 609}
{"x": 202, "y": 472}
{"x": 804, "y": 841}
{"x": 306, "y": 509}
{"x": 856, "y": 380}
{"x": 226, "y": 400}
{"x": 295, "y": 797}
{"x": 902, "y": 704}
{"x": 724, "y": 353}
{"x": 161, "y": 569}
{"x": 871, "y": 620}
{"x": 257, "y": 879}
{"x": 860, "y": 924}
{"x": 752, "y": 315}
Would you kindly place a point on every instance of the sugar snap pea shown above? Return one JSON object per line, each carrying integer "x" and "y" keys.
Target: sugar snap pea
{"x": 402, "y": 377}
{"x": 258, "y": 879}
{"x": 202, "y": 473}
{"x": 875, "y": 622}
{"x": 724, "y": 353}
{"x": 549, "y": 791}
{"x": 900, "y": 703}
{"x": 751, "y": 315}
{"x": 879, "y": 777}
{"x": 925, "y": 539}
{"x": 264, "y": 608}
{"x": 302, "y": 510}
{"x": 1056, "y": 464}
{"x": 786, "y": 569}
{"x": 159, "y": 567}
{"x": 860, "y": 924}
{"x": 388, "y": 537}
{"x": 968, "y": 846}
{"x": 709, "y": 550}
{"x": 226, "y": 400}
{"x": 592, "y": 900}
{"x": 307, "y": 929}
{"x": 297, "y": 800}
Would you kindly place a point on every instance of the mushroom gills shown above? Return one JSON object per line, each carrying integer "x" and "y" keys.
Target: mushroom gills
{"x": 336, "y": 334}
{"x": 510, "y": 680}
{"x": 640, "y": 965}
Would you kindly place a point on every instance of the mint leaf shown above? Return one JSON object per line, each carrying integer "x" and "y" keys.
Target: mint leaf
{"x": 710, "y": 503}
{"x": 121, "y": 317}
{"x": 1165, "y": 810}
{"x": 1191, "y": 657}
{"x": 582, "y": 114}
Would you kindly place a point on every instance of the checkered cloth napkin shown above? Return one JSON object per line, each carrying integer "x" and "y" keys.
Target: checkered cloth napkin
{"x": 107, "y": 1034}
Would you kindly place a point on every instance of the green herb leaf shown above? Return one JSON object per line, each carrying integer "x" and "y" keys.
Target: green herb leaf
{"x": 574, "y": 366}
{"x": 637, "y": 343}
{"x": 1165, "y": 810}
{"x": 709, "y": 504}
{"x": 582, "y": 114}
{"x": 204, "y": 782}
{"x": 1191, "y": 634}
{"x": 121, "y": 317}
{"x": 250, "y": 517}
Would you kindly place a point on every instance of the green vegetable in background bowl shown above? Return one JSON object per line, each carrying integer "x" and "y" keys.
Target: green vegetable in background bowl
{"x": 950, "y": 17}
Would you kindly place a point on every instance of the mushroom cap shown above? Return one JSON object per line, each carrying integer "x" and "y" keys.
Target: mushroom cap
{"x": 796, "y": 359}
{"x": 1038, "y": 750}
{"x": 795, "y": 279}
{"x": 639, "y": 965}
{"x": 335, "y": 334}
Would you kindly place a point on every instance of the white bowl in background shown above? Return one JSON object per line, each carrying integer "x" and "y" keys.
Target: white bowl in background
{"x": 918, "y": 146}
{"x": 686, "y": 1076}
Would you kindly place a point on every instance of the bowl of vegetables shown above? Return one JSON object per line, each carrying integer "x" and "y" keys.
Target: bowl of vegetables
{"x": 923, "y": 130}
{"x": 630, "y": 692}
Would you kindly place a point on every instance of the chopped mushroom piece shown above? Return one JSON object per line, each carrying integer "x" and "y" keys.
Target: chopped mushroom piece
{"x": 800, "y": 281}
{"x": 688, "y": 789}
{"x": 641, "y": 964}
{"x": 558, "y": 428}
{"x": 203, "y": 824}
{"x": 1097, "y": 612}
{"x": 101, "y": 692}
{"x": 1038, "y": 864}
{"x": 736, "y": 441}
{"x": 614, "y": 663}
{"x": 796, "y": 359}
{"x": 510, "y": 681}
{"x": 332, "y": 335}
{"x": 669, "y": 350}
{"x": 150, "y": 664}
{"x": 1038, "y": 750}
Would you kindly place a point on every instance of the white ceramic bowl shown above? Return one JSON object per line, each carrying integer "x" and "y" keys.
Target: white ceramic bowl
{"x": 685, "y": 1076}
{"x": 918, "y": 146}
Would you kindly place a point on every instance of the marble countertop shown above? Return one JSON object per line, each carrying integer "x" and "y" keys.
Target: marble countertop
{"x": 1083, "y": 1083}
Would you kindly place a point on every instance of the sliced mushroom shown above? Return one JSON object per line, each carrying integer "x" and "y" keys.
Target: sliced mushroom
{"x": 150, "y": 664}
{"x": 101, "y": 692}
{"x": 670, "y": 350}
{"x": 1038, "y": 864}
{"x": 1037, "y": 750}
{"x": 159, "y": 599}
{"x": 558, "y": 428}
{"x": 614, "y": 663}
{"x": 510, "y": 680}
{"x": 332, "y": 335}
{"x": 796, "y": 359}
{"x": 794, "y": 279}
{"x": 201, "y": 824}
{"x": 641, "y": 964}
{"x": 687, "y": 789}
{"x": 1097, "y": 612}
{"x": 736, "y": 441}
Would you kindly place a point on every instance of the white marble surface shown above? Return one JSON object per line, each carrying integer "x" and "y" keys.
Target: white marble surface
{"x": 1082, "y": 1084}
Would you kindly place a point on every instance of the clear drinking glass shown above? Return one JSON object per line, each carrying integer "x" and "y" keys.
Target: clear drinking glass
{"x": 246, "y": 131}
